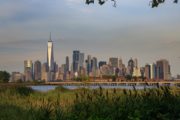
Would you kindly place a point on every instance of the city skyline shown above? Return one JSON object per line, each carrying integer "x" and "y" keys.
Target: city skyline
{"x": 91, "y": 69}
{"x": 132, "y": 29}
{"x": 50, "y": 56}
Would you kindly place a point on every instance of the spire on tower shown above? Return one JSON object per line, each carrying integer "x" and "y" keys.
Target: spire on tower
{"x": 50, "y": 37}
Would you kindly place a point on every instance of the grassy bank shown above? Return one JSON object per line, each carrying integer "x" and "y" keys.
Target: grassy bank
{"x": 22, "y": 103}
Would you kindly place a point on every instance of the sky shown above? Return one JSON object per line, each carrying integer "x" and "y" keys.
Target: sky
{"x": 132, "y": 29}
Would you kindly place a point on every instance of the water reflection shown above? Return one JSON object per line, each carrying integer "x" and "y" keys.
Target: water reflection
{"x": 44, "y": 88}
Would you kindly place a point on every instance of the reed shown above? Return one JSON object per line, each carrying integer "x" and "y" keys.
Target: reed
{"x": 20, "y": 103}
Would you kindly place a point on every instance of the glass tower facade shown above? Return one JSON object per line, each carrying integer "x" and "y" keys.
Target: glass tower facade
{"x": 50, "y": 59}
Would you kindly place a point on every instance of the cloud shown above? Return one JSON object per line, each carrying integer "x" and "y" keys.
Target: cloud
{"x": 87, "y": 10}
{"x": 131, "y": 29}
{"x": 74, "y": 1}
{"x": 9, "y": 9}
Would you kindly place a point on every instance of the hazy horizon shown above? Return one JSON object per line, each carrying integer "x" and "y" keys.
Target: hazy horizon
{"x": 132, "y": 29}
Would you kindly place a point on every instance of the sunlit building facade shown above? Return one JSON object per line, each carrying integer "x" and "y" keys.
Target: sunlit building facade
{"x": 28, "y": 70}
{"x": 50, "y": 60}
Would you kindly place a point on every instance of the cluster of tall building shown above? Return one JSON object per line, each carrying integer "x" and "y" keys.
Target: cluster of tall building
{"x": 160, "y": 70}
{"x": 89, "y": 67}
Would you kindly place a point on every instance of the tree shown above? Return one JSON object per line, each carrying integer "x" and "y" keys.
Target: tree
{"x": 153, "y": 3}
{"x": 4, "y": 76}
{"x": 128, "y": 77}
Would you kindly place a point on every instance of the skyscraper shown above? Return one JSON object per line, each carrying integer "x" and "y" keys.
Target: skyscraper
{"x": 28, "y": 70}
{"x": 75, "y": 60}
{"x": 37, "y": 70}
{"x": 67, "y": 64}
{"x": 148, "y": 71}
{"x": 50, "y": 55}
{"x": 94, "y": 63}
{"x": 120, "y": 63}
{"x": 50, "y": 60}
{"x": 153, "y": 69}
{"x": 135, "y": 63}
{"x": 44, "y": 72}
{"x": 94, "y": 66}
{"x": 130, "y": 66}
{"x": 89, "y": 64}
{"x": 122, "y": 68}
{"x": 113, "y": 62}
{"x": 163, "y": 70}
{"x": 81, "y": 60}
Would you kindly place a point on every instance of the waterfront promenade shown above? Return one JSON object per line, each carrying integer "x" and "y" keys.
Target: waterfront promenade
{"x": 100, "y": 83}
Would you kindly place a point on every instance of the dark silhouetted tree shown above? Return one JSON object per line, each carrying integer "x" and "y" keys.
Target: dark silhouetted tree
{"x": 4, "y": 76}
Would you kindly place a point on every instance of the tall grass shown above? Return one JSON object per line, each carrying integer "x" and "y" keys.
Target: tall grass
{"x": 23, "y": 103}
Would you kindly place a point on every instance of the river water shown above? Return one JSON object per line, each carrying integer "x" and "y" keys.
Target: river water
{"x": 44, "y": 88}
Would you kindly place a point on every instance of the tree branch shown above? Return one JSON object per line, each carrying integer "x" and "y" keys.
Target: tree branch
{"x": 153, "y": 3}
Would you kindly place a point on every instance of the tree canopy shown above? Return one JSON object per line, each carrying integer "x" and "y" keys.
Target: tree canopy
{"x": 4, "y": 76}
{"x": 153, "y": 3}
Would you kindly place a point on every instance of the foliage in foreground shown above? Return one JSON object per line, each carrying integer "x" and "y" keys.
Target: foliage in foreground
{"x": 20, "y": 103}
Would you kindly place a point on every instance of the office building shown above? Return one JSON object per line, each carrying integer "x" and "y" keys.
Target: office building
{"x": 101, "y": 63}
{"x": 67, "y": 64}
{"x": 50, "y": 60}
{"x": 106, "y": 70}
{"x": 136, "y": 72}
{"x": 37, "y": 70}
{"x": 89, "y": 65}
{"x": 44, "y": 72}
{"x": 113, "y": 62}
{"x": 28, "y": 70}
{"x": 130, "y": 67}
{"x": 75, "y": 63}
{"x": 163, "y": 70}
{"x": 142, "y": 71}
{"x": 153, "y": 71}
{"x": 81, "y": 60}
{"x": 120, "y": 63}
{"x": 94, "y": 66}
{"x": 17, "y": 77}
{"x": 147, "y": 71}
{"x": 135, "y": 63}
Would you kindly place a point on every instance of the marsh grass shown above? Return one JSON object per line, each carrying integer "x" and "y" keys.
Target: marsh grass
{"x": 22, "y": 103}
